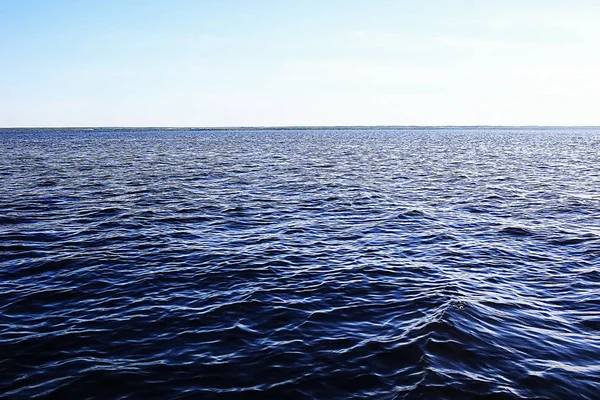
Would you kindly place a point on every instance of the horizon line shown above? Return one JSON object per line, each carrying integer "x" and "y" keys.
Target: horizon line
{"x": 290, "y": 127}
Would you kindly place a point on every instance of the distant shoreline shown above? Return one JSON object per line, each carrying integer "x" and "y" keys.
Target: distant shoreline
{"x": 286, "y": 128}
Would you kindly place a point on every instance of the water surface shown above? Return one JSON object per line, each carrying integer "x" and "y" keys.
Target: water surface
{"x": 329, "y": 264}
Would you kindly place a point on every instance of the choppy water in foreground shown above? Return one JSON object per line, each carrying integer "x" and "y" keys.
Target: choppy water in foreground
{"x": 326, "y": 264}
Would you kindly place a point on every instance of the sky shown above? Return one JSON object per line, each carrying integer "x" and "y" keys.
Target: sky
{"x": 299, "y": 62}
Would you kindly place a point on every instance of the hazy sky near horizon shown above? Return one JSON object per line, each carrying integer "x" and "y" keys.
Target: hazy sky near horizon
{"x": 299, "y": 62}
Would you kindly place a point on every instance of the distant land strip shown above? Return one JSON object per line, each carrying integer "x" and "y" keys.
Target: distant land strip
{"x": 282, "y": 128}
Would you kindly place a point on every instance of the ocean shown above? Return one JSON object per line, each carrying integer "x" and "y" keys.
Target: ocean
{"x": 308, "y": 263}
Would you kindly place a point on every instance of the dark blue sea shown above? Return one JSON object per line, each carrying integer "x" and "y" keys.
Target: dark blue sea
{"x": 342, "y": 263}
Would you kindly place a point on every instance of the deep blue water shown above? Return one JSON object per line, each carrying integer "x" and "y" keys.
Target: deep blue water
{"x": 327, "y": 264}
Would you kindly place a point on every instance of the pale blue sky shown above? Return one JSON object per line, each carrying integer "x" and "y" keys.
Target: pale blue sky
{"x": 298, "y": 62}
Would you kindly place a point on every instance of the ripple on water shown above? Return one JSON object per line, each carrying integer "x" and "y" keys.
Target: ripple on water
{"x": 375, "y": 263}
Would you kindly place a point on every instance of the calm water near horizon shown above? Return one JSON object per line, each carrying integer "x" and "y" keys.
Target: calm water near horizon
{"x": 384, "y": 263}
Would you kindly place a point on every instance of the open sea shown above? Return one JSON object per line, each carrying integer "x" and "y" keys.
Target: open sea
{"x": 312, "y": 263}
